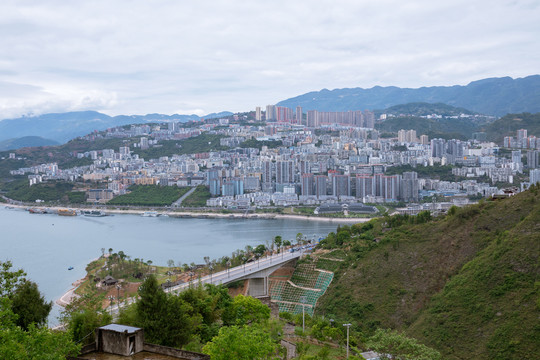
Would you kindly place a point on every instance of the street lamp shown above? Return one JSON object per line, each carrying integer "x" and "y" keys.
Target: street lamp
{"x": 228, "y": 266}
{"x": 348, "y": 326}
{"x": 303, "y": 301}
{"x": 211, "y": 268}
{"x": 118, "y": 292}
{"x": 111, "y": 298}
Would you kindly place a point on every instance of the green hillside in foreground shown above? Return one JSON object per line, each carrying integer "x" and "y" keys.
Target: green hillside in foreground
{"x": 466, "y": 284}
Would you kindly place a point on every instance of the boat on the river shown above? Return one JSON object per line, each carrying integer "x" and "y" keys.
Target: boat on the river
{"x": 70, "y": 268}
{"x": 150, "y": 214}
{"x": 94, "y": 213}
{"x": 36, "y": 211}
{"x": 67, "y": 212}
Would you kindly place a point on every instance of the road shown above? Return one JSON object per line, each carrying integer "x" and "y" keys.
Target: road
{"x": 178, "y": 202}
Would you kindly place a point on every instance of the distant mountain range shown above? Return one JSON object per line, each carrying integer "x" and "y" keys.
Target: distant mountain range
{"x": 26, "y": 141}
{"x": 63, "y": 127}
{"x": 493, "y": 96}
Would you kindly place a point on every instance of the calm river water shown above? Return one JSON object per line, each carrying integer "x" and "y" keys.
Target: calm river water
{"x": 46, "y": 245}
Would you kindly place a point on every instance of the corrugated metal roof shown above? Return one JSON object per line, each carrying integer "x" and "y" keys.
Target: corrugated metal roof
{"x": 120, "y": 328}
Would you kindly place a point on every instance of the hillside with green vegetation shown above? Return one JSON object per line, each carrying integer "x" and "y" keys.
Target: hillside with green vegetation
{"x": 202, "y": 143}
{"x": 509, "y": 124}
{"x": 424, "y": 109}
{"x": 466, "y": 284}
{"x": 49, "y": 192}
{"x": 434, "y": 128}
{"x": 150, "y": 195}
{"x": 198, "y": 197}
{"x": 26, "y": 141}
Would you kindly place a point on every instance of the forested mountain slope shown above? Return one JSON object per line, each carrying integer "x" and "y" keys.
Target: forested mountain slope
{"x": 466, "y": 283}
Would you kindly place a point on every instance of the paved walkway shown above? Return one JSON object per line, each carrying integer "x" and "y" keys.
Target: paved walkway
{"x": 178, "y": 202}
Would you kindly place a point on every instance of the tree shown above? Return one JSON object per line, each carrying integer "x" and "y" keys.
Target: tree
{"x": 83, "y": 315}
{"x": 278, "y": 241}
{"x": 259, "y": 250}
{"x": 165, "y": 319}
{"x": 241, "y": 343}
{"x": 29, "y": 305}
{"x": 9, "y": 280}
{"x": 34, "y": 344}
{"x": 299, "y": 237}
{"x": 246, "y": 309}
{"x": 396, "y": 345}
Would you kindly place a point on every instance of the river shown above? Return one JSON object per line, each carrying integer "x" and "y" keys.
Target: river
{"x": 45, "y": 246}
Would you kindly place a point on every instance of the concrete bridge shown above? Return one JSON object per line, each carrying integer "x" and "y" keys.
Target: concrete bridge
{"x": 257, "y": 272}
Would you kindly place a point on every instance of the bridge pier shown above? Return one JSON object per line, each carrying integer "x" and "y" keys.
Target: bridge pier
{"x": 257, "y": 287}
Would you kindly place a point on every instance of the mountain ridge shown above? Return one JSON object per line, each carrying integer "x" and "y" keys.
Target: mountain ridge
{"x": 490, "y": 96}
{"x": 62, "y": 127}
{"x": 25, "y": 141}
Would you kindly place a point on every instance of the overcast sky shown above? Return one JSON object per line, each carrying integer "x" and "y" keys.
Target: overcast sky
{"x": 138, "y": 57}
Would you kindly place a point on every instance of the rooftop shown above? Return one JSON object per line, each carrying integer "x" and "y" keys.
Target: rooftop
{"x": 120, "y": 328}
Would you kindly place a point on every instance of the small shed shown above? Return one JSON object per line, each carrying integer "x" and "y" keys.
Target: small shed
{"x": 119, "y": 339}
{"x": 109, "y": 280}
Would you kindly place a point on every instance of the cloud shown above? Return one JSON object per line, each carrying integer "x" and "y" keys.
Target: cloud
{"x": 22, "y": 99}
{"x": 142, "y": 57}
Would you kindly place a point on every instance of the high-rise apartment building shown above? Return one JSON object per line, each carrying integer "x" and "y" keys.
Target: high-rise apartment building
{"x": 409, "y": 187}
{"x": 258, "y": 113}
{"x": 299, "y": 118}
{"x": 533, "y": 159}
{"x": 521, "y": 134}
{"x": 271, "y": 113}
{"x": 534, "y": 176}
{"x": 341, "y": 185}
{"x": 365, "y": 185}
{"x": 308, "y": 184}
{"x": 438, "y": 148}
{"x": 407, "y": 136}
{"x": 285, "y": 172}
{"x": 320, "y": 185}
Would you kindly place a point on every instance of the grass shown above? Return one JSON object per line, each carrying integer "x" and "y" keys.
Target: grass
{"x": 51, "y": 191}
{"x": 198, "y": 197}
{"x": 462, "y": 283}
{"x": 150, "y": 195}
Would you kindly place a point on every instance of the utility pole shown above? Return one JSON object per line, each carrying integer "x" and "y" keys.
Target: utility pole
{"x": 348, "y": 326}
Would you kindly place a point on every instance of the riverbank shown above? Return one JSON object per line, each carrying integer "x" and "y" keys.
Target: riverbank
{"x": 66, "y": 299}
{"x": 206, "y": 215}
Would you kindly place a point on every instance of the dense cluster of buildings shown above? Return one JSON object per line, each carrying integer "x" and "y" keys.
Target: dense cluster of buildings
{"x": 347, "y": 164}
{"x": 314, "y": 118}
{"x": 522, "y": 141}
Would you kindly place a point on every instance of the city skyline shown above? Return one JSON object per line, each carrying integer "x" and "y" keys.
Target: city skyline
{"x": 167, "y": 57}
